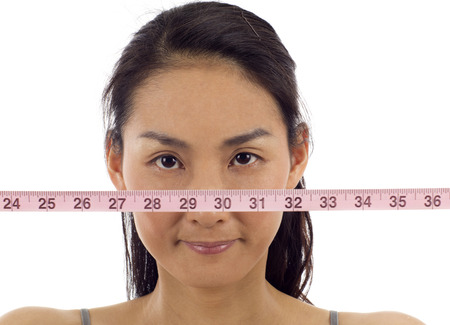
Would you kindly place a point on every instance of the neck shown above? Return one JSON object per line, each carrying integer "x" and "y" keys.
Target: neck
{"x": 251, "y": 300}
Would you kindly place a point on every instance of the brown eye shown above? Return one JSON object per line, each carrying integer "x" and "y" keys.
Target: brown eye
{"x": 244, "y": 158}
{"x": 167, "y": 162}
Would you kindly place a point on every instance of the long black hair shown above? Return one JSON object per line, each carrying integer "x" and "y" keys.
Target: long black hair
{"x": 223, "y": 32}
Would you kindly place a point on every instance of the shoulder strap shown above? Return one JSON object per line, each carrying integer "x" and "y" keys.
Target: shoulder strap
{"x": 334, "y": 318}
{"x": 85, "y": 319}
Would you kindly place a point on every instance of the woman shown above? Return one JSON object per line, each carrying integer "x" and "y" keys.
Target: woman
{"x": 205, "y": 97}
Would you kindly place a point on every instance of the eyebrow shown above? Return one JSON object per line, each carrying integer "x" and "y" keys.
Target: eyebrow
{"x": 246, "y": 137}
{"x": 231, "y": 142}
{"x": 164, "y": 139}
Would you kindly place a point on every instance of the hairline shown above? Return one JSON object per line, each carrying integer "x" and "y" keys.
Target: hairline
{"x": 180, "y": 61}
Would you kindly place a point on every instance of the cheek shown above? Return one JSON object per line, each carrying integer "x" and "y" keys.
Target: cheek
{"x": 262, "y": 226}
{"x": 279, "y": 172}
{"x": 155, "y": 230}
{"x": 271, "y": 175}
{"x": 134, "y": 173}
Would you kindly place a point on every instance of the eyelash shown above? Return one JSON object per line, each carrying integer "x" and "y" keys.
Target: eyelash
{"x": 253, "y": 159}
{"x": 157, "y": 161}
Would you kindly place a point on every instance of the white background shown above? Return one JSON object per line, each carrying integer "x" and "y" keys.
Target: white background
{"x": 375, "y": 75}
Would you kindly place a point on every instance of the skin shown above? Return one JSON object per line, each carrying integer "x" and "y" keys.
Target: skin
{"x": 210, "y": 109}
{"x": 186, "y": 132}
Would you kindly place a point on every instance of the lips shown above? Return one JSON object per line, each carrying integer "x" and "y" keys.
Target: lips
{"x": 210, "y": 248}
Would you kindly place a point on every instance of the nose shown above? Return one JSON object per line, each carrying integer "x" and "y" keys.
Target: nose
{"x": 207, "y": 178}
{"x": 207, "y": 219}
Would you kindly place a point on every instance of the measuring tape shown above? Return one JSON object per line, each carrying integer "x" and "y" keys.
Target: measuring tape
{"x": 225, "y": 200}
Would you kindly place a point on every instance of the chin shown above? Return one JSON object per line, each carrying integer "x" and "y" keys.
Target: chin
{"x": 214, "y": 274}
{"x": 212, "y": 277}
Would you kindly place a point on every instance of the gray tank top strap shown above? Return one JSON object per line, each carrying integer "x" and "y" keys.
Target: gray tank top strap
{"x": 85, "y": 319}
{"x": 334, "y": 318}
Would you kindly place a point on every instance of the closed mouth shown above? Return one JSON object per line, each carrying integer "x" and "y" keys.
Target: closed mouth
{"x": 209, "y": 248}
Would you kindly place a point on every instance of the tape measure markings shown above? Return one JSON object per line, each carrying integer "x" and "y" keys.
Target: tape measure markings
{"x": 226, "y": 200}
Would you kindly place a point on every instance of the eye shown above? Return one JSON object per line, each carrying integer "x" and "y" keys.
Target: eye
{"x": 243, "y": 159}
{"x": 167, "y": 162}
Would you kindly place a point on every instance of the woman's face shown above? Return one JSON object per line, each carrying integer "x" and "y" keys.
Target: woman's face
{"x": 206, "y": 127}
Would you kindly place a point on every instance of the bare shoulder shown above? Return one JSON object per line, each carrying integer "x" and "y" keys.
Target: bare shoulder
{"x": 316, "y": 315}
{"x": 41, "y": 316}
{"x": 385, "y": 318}
{"x": 121, "y": 313}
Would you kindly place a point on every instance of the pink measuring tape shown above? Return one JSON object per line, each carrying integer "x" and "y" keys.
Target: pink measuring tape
{"x": 225, "y": 200}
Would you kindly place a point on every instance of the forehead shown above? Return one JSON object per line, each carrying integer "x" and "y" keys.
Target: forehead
{"x": 216, "y": 99}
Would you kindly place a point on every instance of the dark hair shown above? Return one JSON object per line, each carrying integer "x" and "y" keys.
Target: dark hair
{"x": 213, "y": 30}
